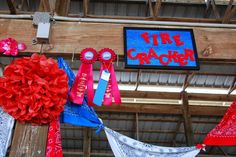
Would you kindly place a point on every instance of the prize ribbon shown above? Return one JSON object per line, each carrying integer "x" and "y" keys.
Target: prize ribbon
{"x": 84, "y": 78}
{"x": 107, "y": 57}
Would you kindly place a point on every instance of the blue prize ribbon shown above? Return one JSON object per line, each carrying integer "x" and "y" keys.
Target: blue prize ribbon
{"x": 101, "y": 89}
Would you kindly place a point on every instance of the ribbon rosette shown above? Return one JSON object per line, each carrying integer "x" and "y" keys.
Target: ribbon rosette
{"x": 84, "y": 78}
{"x": 10, "y": 46}
{"x": 107, "y": 57}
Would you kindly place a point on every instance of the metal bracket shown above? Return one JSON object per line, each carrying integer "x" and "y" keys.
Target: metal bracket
{"x": 42, "y": 20}
{"x": 41, "y": 17}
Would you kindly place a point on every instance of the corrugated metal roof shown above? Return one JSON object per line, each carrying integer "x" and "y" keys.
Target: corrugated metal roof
{"x": 132, "y": 8}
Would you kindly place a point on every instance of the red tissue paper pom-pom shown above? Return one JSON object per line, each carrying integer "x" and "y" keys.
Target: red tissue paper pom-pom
{"x": 33, "y": 89}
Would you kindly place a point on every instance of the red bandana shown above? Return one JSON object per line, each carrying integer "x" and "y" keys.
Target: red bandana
{"x": 54, "y": 148}
{"x": 224, "y": 134}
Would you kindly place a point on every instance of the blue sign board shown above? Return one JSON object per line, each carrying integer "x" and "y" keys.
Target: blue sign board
{"x": 160, "y": 48}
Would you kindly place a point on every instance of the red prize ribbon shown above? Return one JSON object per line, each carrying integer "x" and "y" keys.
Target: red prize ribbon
{"x": 84, "y": 78}
{"x": 10, "y": 46}
{"x": 107, "y": 57}
{"x": 54, "y": 148}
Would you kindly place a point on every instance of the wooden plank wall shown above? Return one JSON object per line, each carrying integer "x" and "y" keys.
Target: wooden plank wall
{"x": 68, "y": 37}
{"x": 29, "y": 141}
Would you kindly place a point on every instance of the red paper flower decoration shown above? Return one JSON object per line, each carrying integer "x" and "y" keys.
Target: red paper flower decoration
{"x": 33, "y": 89}
{"x": 10, "y": 46}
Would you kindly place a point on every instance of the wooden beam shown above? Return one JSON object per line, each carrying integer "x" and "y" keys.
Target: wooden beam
{"x": 87, "y": 142}
{"x": 11, "y": 6}
{"x": 86, "y": 7}
{"x": 176, "y": 131}
{"x": 157, "y": 8}
{"x": 29, "y": 141}
{"x": 138, "y": 79}
{"x": 227, "y": 18}
{"x": 142, "y": 131}
{"x": 166, "y": 109}
{"x": 169, "y": 95}
{"x": 137, "y": 126}
{"x": 151, "y": 11}
{"x": 187, "y": 120}
{"x": 222, "y": 150}
{"x": 44, "y": 6}
{"x": 211, "y": 5}
{"x": 208, "y": 9}
{"x": 66, "y": 36}
{"x": 228, "y": 10}
{"x": 187, "y": 80}
{"x": 232, "y": 86}
{"x": 215, "y": 10}
{"x": 62, "y": 7}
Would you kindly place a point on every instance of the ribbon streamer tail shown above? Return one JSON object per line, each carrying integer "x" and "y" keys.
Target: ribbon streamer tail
{"x": 115, "y": 89}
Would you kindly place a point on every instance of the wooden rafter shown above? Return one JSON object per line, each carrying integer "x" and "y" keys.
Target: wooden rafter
{"x": 138, "y": 79}
{"x": 215, "y": 10}
{"x": 11, "y": 6}
{"x": 164, "y": 109}
{"x": 176, "y": 131}
{"x": 137, "y": 125}
{"x": 187, "y": 120}
{"x": 151, "y": 11}
{"x": 86, "y": 7}
{"x": 211, "y": 5}
{"x": 62, "y": 7}
{"x": 44, "y": 6}
{"x": 157, "y": 9}
{"x": 232, "y": 86}
{"x": 24, "y": 5}
{"x": 187, "y": 80}
{"x": 230, "y": 11}
{"x": 87, "y": 142}
{"x": 144, "y": 130}
{"x": 222, "y": 150}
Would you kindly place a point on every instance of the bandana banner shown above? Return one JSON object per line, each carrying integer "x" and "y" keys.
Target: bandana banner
{"x": 6, "y": 127}
{"x": 224, "y": 134}
{"x": 123, "y": 146}
{"x": 107, "y": 57}
{"x": 79, "y": 115}
{"x": 84, "y": 78}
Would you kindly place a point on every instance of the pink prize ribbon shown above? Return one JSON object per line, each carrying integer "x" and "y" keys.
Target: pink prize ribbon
{"x": 84, "y": 78}
{"x": 107, "y": 57}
